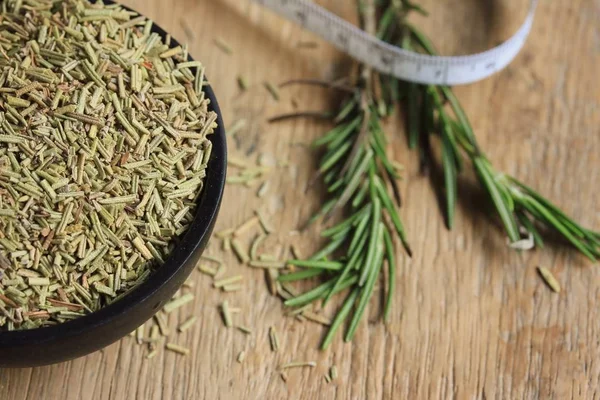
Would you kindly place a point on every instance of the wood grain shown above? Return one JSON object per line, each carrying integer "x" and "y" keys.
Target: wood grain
{"x": 471, "y": 319}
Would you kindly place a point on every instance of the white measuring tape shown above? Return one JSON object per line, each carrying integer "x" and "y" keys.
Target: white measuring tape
{"x": 392, "y": 60}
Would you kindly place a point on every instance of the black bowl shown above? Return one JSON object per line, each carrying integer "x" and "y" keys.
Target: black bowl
{"x": 92, "y": 332}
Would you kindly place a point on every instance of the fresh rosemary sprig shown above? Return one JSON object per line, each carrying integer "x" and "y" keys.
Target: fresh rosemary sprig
{"x": 357, "y": 172}
{"x": 361, "y": 182}
{"x": 361, "y": 179}
{"x": 436, "y": 110}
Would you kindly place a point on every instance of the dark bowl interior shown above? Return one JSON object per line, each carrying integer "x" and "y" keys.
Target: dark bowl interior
{"x": 92, "y": 332}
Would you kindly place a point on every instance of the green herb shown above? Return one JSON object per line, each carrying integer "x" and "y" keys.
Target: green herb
{"x": 264, "y": 223}
{"x": 245, "y": 226}
{"x": 36, "y": 281}
{"x": 227, "y": 244}
{"x": 215, "y": 260}
{"x": 242, "y": 83}
{"x": 239, "y": 251}
{"x": 226, "y": 314}
{"x": 361, "y": 179}
{"x": 436, "y": 111}
{"x": 187, "y": 324}
{"x": 233, "y": 287}
{"x": 178, "y": 349}
{"x": 227, "y": 281}
{"x": 161, "y": 321}
{"x": 317, "y": 318}
{"x": 154, "y": 337}
{"x": 189, "y": 284}
{"x": 152, "y": 354}
{"x": 272, "y": 275}
{"x": 298, "y": 364}
{"x": 224, "y": 233}
{"x": 104, "y": 143}
{"x": 549, "y": 279}
{"x": 273, "y": 339}
{"x": 254, "y": 247}
{"x": 333, "y": 372}
{"x": 220, "y": 271}
{"x": 236, "y": 127}
{"x": 272, "y": 89}
{"x": 263, "y": 189}
{"x": 223, "y": 45}
{"x": 361, "y": 182}
{"x": 139, "y": 334}
{"x": 241, "y": 356}
{"x": 267, "y": 257}
{"x": 178, "y": 302}
{"x": 207, "y": 270}
{"x": 268, "y": 264}
{"x": 245, "y": 329}
{"x": 284, "y": 376}
{"x": 233, "y": 180}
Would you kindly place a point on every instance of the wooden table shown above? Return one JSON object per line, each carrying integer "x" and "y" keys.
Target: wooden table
{"x": 471, "y": 319}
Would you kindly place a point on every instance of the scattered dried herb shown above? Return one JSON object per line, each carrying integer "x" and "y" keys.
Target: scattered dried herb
{"x": 298, "y": 364}
{"x": 207, "y": 270}
{"x": 284, "y": 376}
{"x": 152, "y": 354}
{"x": 184, "y": 351}
{"x": 161, "y": 321}
{"x": 242, "y": 82}
{"x": 227, "y": 281}
{"x": 178, "y": 302}
{"x": 233, "y": 287}
{"x": 240, "y": 251}
{"x": 245, "y": 330}
{"x": 223, "y": 45}
{"x": 226, "y": 314}
{"x": 241, "y": 356}
{"x": 273, "y": 339}
{"x": 333, "y": 372}
{"x": 272, "y": 89}
{"x": 549, "y": 279}
{"x": 236, "y": 127}
{"x": 263, "y": 189}
{"x": 139, "y": 334}
{"x": 187, "y": 324}
{"x": 243, "y": 228}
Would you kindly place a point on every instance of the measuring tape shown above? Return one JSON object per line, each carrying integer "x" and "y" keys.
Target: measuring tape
{"x": 400, "y": 63}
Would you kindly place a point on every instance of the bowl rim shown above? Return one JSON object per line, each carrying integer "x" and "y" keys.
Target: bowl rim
{"x": 201, "y": 227}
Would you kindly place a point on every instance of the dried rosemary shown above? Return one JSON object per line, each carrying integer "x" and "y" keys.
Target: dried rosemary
{"x": 549, "y": 278}
{"x": 103, "y": 153}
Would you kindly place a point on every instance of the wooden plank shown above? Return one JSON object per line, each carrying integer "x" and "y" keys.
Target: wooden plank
{"x": 471, "y": 318}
